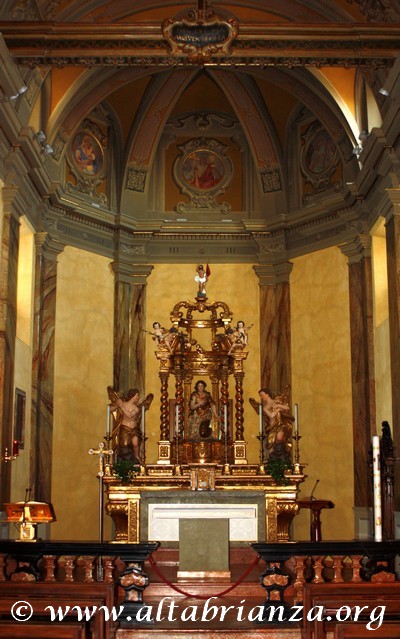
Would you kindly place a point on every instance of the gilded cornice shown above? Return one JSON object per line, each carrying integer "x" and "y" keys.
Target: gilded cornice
{"x": 289, "y": 45}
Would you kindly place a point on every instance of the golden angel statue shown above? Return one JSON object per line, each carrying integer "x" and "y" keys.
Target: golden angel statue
{"x": 127, "y": 431}
{"x": 278, "y": 422}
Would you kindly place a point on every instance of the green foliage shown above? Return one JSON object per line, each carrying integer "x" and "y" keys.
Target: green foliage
{"x": 276, "y": 468}
{"x": 125, "y": 470}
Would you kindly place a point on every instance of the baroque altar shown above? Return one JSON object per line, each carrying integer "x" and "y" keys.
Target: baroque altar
{"x": 202, "y": 446}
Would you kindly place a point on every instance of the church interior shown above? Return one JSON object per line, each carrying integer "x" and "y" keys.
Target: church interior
{"x": 198, "y": 169}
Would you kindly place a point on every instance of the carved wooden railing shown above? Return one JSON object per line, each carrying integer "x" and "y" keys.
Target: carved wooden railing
{"x": 290, "y": 566}
{"x": 78, "y": 570}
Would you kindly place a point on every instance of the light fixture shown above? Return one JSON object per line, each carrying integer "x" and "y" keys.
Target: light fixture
{"x": 357, "y": 150}
{"x": 363, "y": 135}
{"x": 41, "y": 136}
{"x": 384, "y": 92}
{"x": 20, "y": 91}
{"x": 47, "y": 148}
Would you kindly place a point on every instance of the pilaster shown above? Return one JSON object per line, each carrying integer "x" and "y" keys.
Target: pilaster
{"x": 358, "y": 254}
{"x": 46, "y": 253}
{"x": 275, "y": 337}
{"x": 129, "y": 324}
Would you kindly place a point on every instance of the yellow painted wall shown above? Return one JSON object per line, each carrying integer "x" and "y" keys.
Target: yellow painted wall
{"x": 23, "y": 356}
{"x": 235, "y": 284}
{"x": 83, "y": 369}
{"x": 383, "y": 385}
{"x": 321, "y": 377}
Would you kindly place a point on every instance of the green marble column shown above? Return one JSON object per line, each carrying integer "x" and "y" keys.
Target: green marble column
{"x": 362, "y": 362}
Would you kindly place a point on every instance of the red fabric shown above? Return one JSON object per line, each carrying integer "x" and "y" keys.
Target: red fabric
{"x": 208, "y": 271}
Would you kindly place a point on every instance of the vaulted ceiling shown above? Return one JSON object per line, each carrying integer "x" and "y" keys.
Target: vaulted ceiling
{"x": 281, "y": 108}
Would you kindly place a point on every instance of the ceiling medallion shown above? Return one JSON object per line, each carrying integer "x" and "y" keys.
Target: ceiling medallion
{"x": 200, "y": 35}
{"x": 202, "y": 171}
{"x": 87, "y": 159}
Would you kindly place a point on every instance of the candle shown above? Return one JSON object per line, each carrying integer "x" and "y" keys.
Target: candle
{"x": 143, "y": 422}
{"x": 15, "y": 447}
{"x": 177, "y": 418}
{"x": 108, "y": 419}
{"x": 260, "y": 414}
{"x": 226, "y": 420}
{"x": 377, "y": 488}
{"x": 296, "y": 417}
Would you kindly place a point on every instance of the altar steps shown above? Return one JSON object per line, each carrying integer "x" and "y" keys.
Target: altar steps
{"x": 248, "y": 595}
{"x": 167, "y": 565}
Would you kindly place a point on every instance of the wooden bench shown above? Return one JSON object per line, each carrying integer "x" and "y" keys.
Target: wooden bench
{"x": 36, "y": 630}
{"x": 332, "y": 596}
{"x": 357, "y": 631}
{"x": 61, "y": 594}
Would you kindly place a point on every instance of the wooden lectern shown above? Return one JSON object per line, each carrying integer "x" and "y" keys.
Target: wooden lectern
{"x": 28, "y": 514}
{"x": 315, "y": 506}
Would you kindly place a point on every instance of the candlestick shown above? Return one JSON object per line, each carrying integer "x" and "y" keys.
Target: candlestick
{"x": 377, "y": 488}
{"x": 296, "y": 419}
{"x": 177, "y": 419}
{"x": 143, "y": 421}
{"x": 15, "y": 447}
{"x": 108, "y": 428}
{"x": 260, "y": 414}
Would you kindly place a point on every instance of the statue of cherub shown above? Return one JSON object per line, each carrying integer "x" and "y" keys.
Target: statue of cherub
{"x": 163, "y": 336}
{"x": 239, "y": 336}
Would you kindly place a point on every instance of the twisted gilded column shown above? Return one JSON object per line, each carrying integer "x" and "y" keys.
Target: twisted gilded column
{"x": 8, "y": 304}
{"x": 239, "y": 428}
{"x": 358, "y": 254}
{"x": 275, "y": 337}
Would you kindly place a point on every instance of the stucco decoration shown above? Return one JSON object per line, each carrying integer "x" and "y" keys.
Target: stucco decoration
{"x": 318, "y": 159}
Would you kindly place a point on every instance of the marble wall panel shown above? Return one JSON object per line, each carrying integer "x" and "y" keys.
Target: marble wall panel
{"x": 43, "y": 376}
{"x": 275, "y": 354}
{"x": 363, "y": 375}
{"x": 129, "y": 336}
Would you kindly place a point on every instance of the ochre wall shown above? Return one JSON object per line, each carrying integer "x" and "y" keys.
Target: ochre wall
{"x": 321, "y": 378}
{"x": 235, "y": 284}
{"x": 383, "y": 386}
{"x": 83, "y": 369}
{"x": 23, "y": 358}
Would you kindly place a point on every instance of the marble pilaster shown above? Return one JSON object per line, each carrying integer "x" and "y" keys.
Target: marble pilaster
{"x": 46, "y": 252}
{"x": 393, "y": 267}
{"x": 275, "y": 338}
{"x": 129, "y": 324}
{"x": 358, "y": 254}
{"x": 8, "y": 305}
